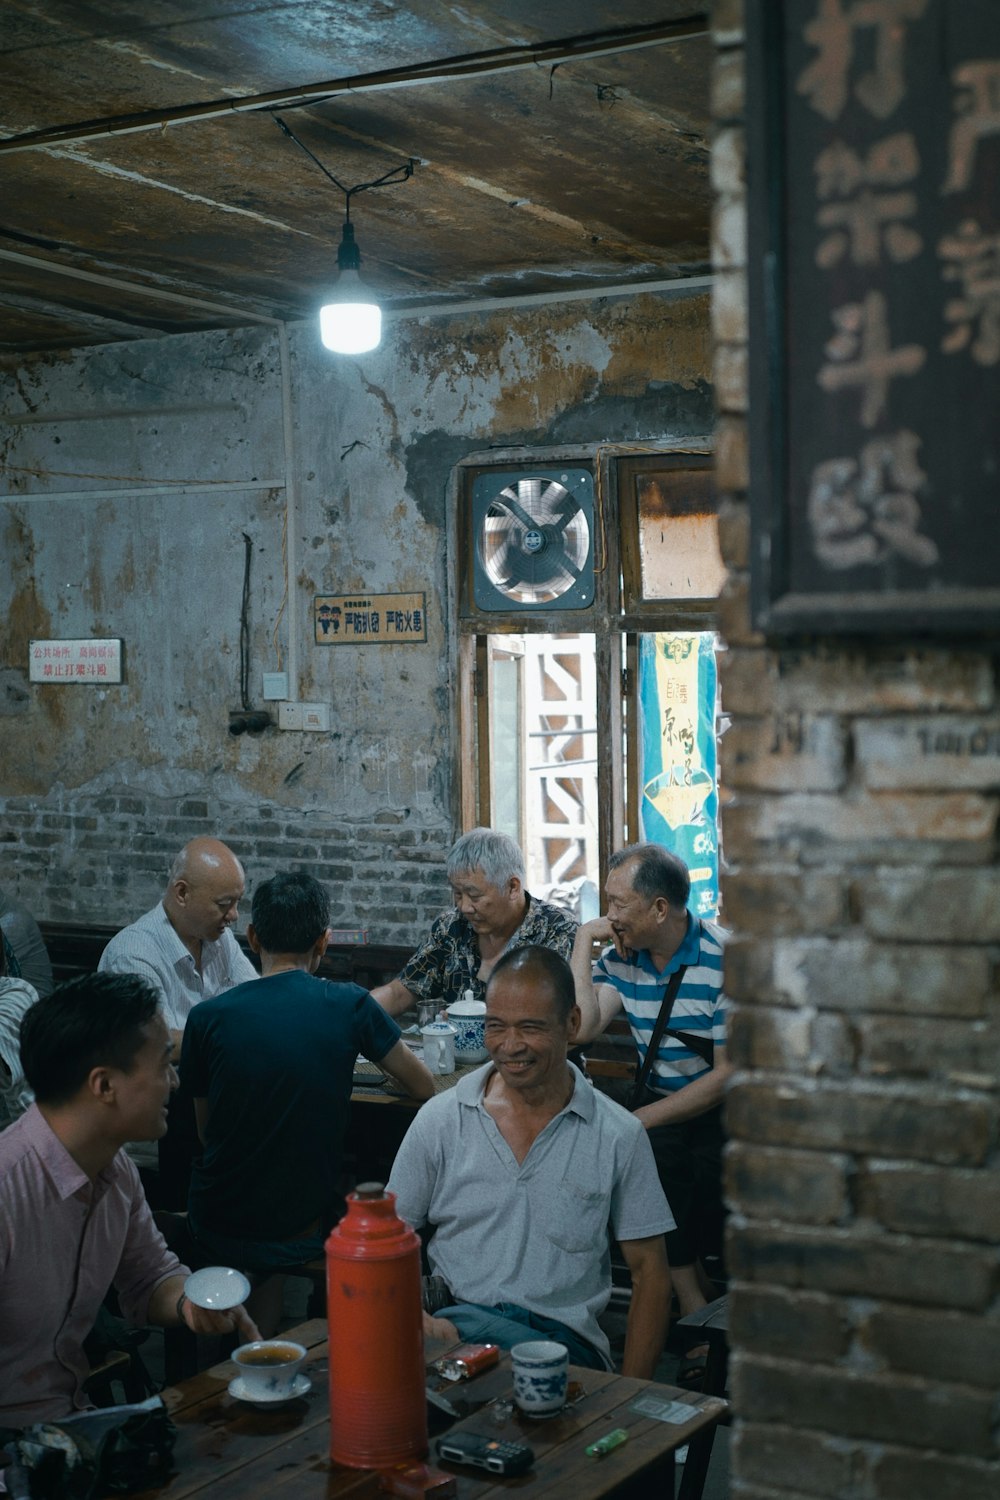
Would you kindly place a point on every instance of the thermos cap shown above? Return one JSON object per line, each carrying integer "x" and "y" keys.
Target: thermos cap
{"x": 367, "y": 1190}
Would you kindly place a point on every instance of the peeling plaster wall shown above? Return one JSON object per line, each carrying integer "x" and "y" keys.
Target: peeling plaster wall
{"x": 132, "y": 473}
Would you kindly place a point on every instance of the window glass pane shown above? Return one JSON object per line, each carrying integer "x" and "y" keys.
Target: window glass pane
{"x": 543, "y": 755}
{"x": 506, "y": 737}
{"x": 679, "y": 534}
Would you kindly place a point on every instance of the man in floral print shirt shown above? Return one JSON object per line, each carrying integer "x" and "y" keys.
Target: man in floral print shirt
{"x": 493, "y": 914}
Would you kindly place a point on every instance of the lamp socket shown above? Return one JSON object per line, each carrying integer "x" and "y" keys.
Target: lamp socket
{"x": 249, "y": 720}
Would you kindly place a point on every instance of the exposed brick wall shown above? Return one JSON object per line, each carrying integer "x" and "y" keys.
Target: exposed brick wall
{"x": 864, "y": 895}
{"x": 109, "y": 862}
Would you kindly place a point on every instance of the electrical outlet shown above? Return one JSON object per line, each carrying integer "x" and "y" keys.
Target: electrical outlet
{"x": 290, "y": 716}
{"x": 315, "y": 716}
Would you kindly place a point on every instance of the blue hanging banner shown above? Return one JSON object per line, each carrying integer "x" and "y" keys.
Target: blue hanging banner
{"x": 678, "y": 772}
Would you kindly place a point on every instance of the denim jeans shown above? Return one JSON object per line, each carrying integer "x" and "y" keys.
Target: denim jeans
{"x": 508, "y": 1324}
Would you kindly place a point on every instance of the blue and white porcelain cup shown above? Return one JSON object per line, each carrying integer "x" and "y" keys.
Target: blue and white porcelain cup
{"x": 541, "y": 1372}
{"x": 469, "y": 1020}
{"x": 268, "y": 1368}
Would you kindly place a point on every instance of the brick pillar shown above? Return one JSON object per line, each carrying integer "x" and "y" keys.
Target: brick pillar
{"x": 864, "y": 900}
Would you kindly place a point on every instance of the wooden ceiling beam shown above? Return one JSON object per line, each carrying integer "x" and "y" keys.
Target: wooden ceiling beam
{"x": 466, "y": 65}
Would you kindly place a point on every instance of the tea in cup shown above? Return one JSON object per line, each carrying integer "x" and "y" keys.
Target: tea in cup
{"x": 268, "y": 1367}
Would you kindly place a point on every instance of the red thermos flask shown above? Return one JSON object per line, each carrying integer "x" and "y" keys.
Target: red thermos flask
{"x": 378, "y": 1403}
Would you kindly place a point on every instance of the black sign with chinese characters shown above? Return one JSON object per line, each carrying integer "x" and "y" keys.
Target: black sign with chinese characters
{"x": 874, "y": 195}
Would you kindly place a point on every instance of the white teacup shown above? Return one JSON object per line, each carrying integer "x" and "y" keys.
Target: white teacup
{"x": 541, "y": 1372}
{"x": 268, "y": 1367}
{"x": 439, "y": 1046}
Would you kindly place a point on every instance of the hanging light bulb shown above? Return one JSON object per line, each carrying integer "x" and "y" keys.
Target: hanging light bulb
{"x": 351, "y": 322}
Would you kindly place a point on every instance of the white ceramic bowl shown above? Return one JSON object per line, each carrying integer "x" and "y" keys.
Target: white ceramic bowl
{"x": 217, "y": 1288}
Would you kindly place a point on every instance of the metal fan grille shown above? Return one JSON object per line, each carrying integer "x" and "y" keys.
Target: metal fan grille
{"x": 534, "y": 541}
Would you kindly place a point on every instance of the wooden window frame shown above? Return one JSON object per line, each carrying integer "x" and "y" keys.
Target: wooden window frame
{"x": 616, "y": 619}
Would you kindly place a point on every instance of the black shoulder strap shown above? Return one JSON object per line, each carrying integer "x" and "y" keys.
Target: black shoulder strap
{"x": 666, "y": 1006}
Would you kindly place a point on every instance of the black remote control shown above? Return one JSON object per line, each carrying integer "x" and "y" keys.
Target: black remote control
{"x": 486, "y": 1452}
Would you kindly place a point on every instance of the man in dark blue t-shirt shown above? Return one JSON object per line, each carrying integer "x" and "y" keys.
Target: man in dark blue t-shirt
{"x": 270, "y": 1067}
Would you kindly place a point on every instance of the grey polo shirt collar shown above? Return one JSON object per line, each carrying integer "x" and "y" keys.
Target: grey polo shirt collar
{"x": 470, "y": 1093}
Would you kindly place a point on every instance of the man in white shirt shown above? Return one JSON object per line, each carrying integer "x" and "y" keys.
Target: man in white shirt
{"x": 186, "y": 950}
{"x": 16, "y": 997}
{"x": 185, "y": 947}
{"x": 24, "y": 937}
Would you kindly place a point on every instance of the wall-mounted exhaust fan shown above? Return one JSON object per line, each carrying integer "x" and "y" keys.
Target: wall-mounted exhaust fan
{"x": 534, "y": 539}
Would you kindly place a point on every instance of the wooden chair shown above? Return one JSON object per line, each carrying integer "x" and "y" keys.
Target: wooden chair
{"x": 180, "y": 1345}
{"x": 713, "y": 1323}
{"x": 122, "y": 1368}
{"x": 313, "y": 1271}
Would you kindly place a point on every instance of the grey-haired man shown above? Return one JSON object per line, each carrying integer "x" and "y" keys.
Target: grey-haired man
{"x": 493, "y": 914}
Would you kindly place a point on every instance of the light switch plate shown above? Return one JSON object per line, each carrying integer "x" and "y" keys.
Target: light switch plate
{"x": 315, "y": 716}
{"x": 275, "y": 686}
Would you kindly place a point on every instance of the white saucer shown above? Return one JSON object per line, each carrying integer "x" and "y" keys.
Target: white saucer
{"x": 237, "y": 1389}
{"x": 217, "y": 1287}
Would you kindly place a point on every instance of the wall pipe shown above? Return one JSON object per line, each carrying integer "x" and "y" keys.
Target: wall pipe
{"x": 291, "y": 513}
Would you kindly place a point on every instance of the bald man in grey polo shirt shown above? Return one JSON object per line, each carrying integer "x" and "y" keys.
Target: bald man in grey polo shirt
{"x": 520, "y": 1169}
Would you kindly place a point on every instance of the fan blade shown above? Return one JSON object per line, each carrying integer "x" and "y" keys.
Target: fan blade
{"x": 514, "y": 566}
{"x": 558, "y": 557}
{"x": 566, "y": 511}
{"x": 514, "y": 507}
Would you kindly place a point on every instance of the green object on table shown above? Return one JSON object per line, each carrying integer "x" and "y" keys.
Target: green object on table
{"x": 608, "y": 1443}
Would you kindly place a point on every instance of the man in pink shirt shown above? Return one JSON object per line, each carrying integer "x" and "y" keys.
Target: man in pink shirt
{"x": 73, "y": 1218}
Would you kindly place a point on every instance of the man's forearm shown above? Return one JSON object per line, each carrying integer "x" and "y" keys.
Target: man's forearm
{"x": 688, "y": 1103}
{"x": 393, "y": 997}
{"x": 582, "y": 964}
{"x": 409, "y": 1071}
{"x": 648, "y": 1317}
{"x": 169, "y": 1307}
{"x": 163, "y": 1310}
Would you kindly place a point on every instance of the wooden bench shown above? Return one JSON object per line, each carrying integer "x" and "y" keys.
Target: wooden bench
{"x": 76, "y": 947}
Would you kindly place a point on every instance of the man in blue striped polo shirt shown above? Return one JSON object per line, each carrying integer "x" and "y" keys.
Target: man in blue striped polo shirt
{"x": 652, "y": 935}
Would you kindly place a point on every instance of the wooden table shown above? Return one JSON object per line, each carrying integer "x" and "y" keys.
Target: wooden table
{"x": 227, "y": 1450}
{"x": 380, "y": 1117}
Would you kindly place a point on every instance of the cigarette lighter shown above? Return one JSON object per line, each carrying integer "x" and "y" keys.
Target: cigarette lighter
{"x": 608, "y": 1443}
{"x": 468, "y": 1360}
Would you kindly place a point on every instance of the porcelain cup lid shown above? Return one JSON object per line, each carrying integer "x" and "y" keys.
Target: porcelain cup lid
{"x": 438, "y": 1028}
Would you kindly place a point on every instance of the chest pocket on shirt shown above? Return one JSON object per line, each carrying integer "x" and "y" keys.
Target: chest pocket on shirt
{"x": 576, "y": 1217}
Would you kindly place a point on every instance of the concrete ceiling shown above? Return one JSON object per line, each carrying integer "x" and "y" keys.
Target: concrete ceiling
{"x": 540, "y": 167}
